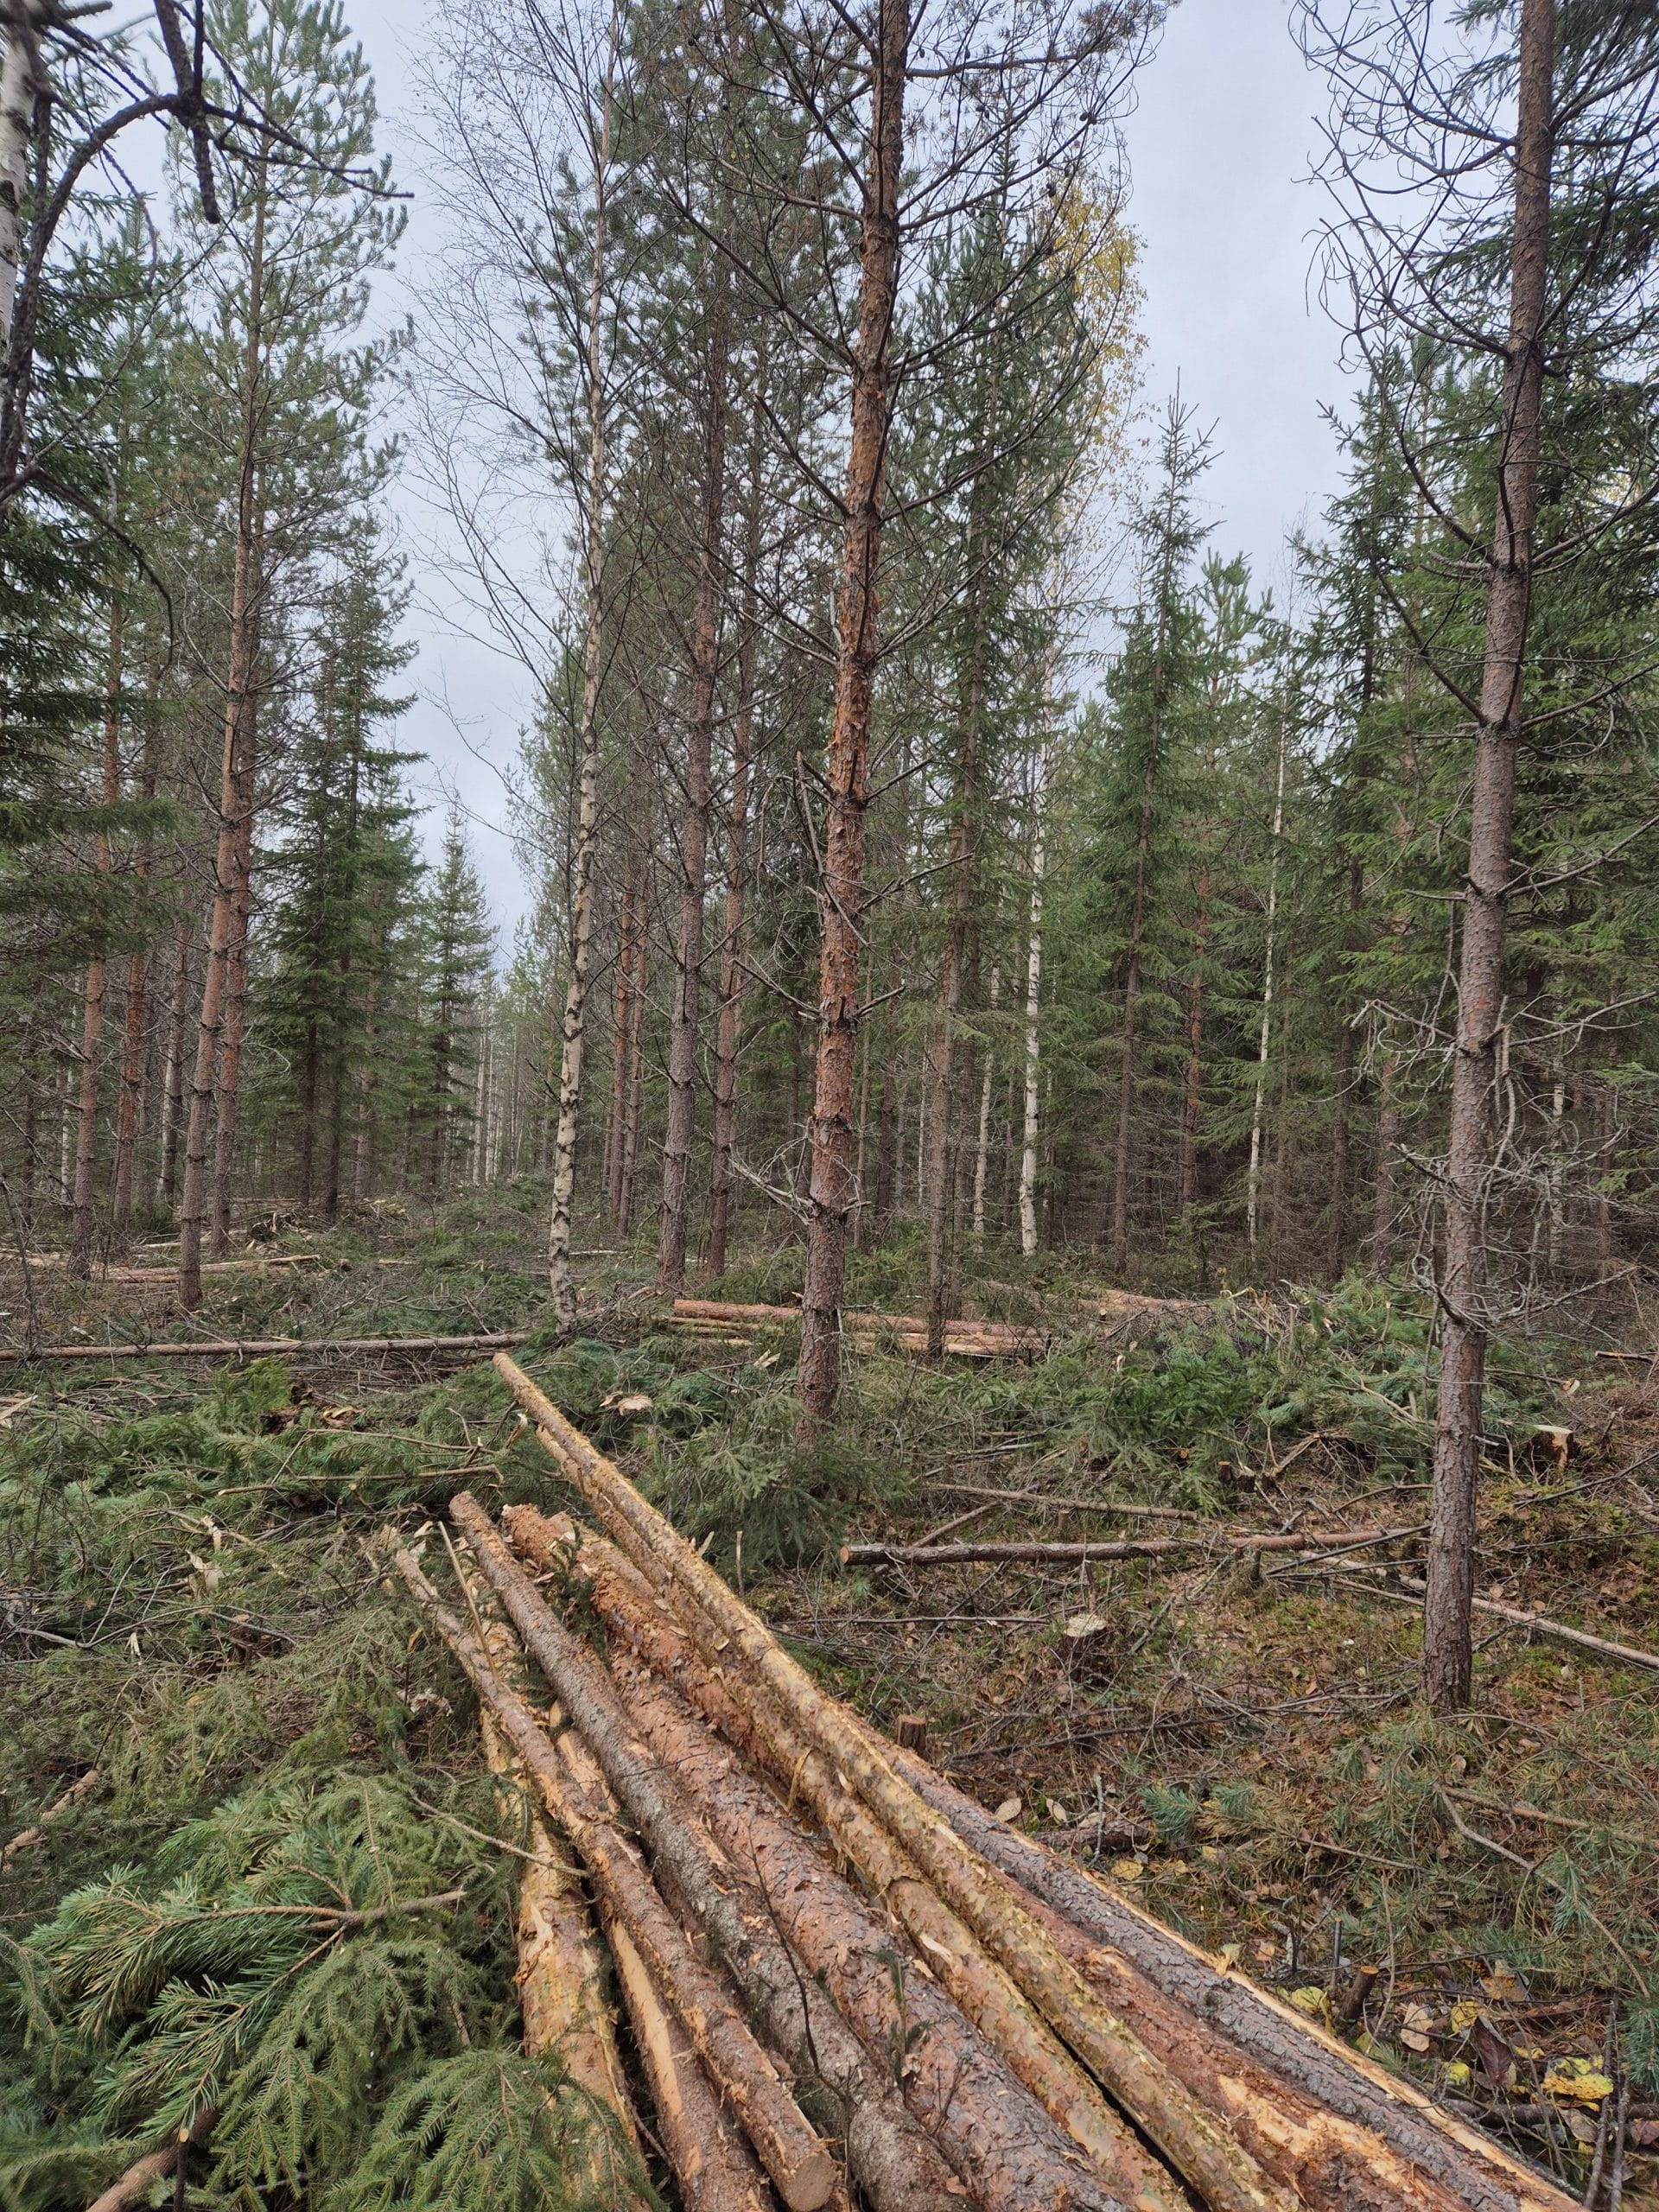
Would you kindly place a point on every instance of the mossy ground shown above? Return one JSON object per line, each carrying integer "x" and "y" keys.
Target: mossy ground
{"x": 189, "y": 1607}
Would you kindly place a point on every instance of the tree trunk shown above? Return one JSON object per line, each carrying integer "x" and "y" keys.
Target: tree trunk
{"x": 91, "y": 1021}
{"x": 1448, "y": 1657}
{"x": 167, "y": 1181}
{"x": 239, "y": 698}
{"x": 681, "y": 1122}
{"x": 630, "y": 928}
{"x": 734, "y": 974}
{"x": 841, "y": 893}
{"x": 1264, "y": 1039}
{"x": 1186, "y": 1194}
{"x": 134, "y": 1058}
{"x": 20, "y": 76}
{"x": 982, "y": 1136}
{"x": 636, "y": 1083}
{"x": 234, "y": 1022}
{"x": 1033, "y": 1008}
{"x": 572, "y": 1034}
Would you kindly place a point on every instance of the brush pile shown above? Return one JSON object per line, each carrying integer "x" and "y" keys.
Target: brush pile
{"x": 844, "y": 1980}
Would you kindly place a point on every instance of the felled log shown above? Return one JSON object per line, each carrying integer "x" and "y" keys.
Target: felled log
{"x": 783, "y": 2140}
{"x": 1465, "y": 2167}
{"x": 1575, "y": 1639}
{"x": 964, "y": 1338}
{"x": 561, "y": 1972}
{"x": 1331, "y": 2162}
{"x": 266, "y": 1347}
{"x": 714, "y": 2170}
{"x": 969, "y": 1555}
{"x": 1198, "y": 2149}
{"x": 1010, "y": 2148}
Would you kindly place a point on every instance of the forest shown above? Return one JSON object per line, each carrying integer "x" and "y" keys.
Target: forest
{"x": 936, "y": 1482}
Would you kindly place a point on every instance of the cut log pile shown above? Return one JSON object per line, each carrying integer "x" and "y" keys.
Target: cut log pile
{"x": 844, "y": 1982}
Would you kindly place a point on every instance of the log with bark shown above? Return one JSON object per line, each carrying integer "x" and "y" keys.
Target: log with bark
{"x": 1199, "y": 2148}
{"x": 783, "y": 2140}
{"x": 561, "y": 1972}
{"x": 1009, "y": 2147}
{"x": 1333, "y": 2160}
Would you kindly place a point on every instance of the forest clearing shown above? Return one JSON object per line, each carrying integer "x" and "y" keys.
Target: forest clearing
{"x": 827, "y": 1374}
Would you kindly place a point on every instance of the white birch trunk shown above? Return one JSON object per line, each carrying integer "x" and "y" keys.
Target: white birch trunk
{"x": 18, "y": 72}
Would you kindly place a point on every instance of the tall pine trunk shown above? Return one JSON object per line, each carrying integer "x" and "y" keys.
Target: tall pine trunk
{"x": 682, "y": 1122}
{"x": 841, "y": 891}
{"x": 134, "y": 1058}
{"x": 1447, "y": 1655}
{"x": 229, "y": 1101}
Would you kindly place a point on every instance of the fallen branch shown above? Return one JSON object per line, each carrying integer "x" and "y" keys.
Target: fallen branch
{"x": 784, "y": 2139}
{"x": 1575, "y": 1639}
{"x": 133, "y": 2187}
{"x": 967, "y": 1554}
{"x": 267, "y": 1347}
{"x": 26, "y": 1838}
{"x": 1189, "y": 2137}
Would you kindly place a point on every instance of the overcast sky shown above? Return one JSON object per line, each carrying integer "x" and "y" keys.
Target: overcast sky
{"x": 1218, "y": 143}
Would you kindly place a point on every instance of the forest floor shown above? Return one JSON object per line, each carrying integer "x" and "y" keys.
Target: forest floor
{"x": 186, "y": 1606}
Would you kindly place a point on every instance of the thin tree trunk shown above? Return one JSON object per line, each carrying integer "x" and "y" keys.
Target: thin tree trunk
{"x": 91, "y": 1021}
{"x": 982, "y": 1139}
{"x": 135, "y": 1060}
{"x": 841, "y": 893}
{"x": 630, "y": 939}
{"x": 733, "y": 977}
{"x": 1033, "y": 1008}
{"x": 636, "y": 1087}
{"x": 1186, "y": 1195}
{"x": 1253, "y": 1188}
{"x": 1447, "y": 1655}
{"x": 167, "y": 1182}
{"x": 573, "y": 1029}
{"x": 681, "y": 1128}
{"x": 236, "y": 971}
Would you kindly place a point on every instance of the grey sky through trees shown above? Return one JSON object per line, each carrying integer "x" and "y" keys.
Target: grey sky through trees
{"x": 1222, "y": 135}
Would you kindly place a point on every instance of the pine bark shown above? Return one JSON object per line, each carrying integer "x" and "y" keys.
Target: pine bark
{"x": 1448, "y": 1653}
{"x": 841, "y": 891}
{"x": 228, "y": 1098}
